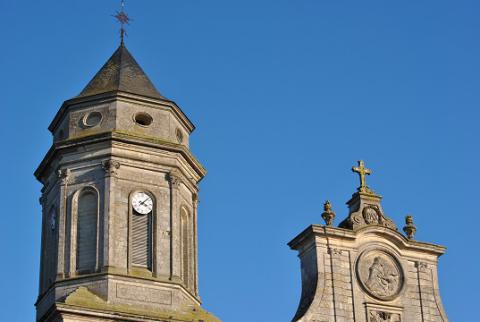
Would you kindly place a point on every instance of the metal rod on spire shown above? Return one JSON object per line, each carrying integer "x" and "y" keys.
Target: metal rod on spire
{"x": 123, "y": 19}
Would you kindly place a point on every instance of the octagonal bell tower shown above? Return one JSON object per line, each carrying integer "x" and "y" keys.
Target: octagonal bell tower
{"x": 119, "y": 200}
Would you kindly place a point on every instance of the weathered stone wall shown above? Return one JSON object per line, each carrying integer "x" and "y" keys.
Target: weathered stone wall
{"x": 115, "y": 169}
{"x": 372, "y": 274}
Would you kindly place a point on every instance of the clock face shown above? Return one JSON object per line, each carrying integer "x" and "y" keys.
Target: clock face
{"x": 142, "y": 203}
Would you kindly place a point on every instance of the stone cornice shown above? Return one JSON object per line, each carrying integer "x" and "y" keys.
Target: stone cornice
{"x": 340, "y": 233}
{"x": 120, "y": 137}
{"x": 112, "y": 272}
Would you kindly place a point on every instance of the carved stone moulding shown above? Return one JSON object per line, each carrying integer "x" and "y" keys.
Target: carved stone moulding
{"x": 380, "y": 274}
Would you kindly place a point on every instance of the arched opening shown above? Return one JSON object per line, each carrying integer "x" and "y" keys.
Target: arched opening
{"x": 87, "y": 226}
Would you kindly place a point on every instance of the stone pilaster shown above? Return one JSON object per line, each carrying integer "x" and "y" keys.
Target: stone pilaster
{"x": 63, "y": 264}
{"x": 111, "y": 168}
{"x": 175, "y": 180}
{"x": 195, "y": 201}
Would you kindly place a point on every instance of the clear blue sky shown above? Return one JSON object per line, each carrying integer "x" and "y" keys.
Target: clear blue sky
{"x": 286, "y": 96}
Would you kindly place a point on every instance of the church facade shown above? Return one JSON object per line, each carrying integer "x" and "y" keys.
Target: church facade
{"x": 365, "y": 270}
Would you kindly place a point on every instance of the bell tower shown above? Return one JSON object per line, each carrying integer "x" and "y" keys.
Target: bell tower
{"x": 119, "y": 200}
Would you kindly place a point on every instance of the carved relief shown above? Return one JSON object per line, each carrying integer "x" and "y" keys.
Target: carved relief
{"x": 380, "y": 274}
{"x": 64, "y": 176}
{"x": 367, "y": 214}
{"x": 175, "y": 178}
{"x": 110, "y": 166}
{"x": 335, "y": 251}
{"x": 422, "y": 266}
{"x": 381, "y": 316}
{"x": 371, "y": 215}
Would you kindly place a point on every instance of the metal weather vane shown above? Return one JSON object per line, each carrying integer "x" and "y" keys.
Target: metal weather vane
{"x": 123, "y": 19}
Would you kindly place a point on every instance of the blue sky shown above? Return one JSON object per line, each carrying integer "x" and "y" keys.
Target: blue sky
{"x": 286, "y": 96}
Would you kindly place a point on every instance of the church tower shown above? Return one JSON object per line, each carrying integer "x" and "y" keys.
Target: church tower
{"x": 365, "y": 270}
{"x": 119, "y": 205}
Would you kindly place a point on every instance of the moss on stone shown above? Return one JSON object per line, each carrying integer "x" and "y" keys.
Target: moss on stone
{"x": 83, "y": 298}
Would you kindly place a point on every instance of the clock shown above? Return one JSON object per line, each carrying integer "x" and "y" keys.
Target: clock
{"x": 142, "y": 203}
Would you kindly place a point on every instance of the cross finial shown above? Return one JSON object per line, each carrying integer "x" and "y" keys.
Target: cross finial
{"x": 123, "y": 19}
{"x": 362, "y": 172}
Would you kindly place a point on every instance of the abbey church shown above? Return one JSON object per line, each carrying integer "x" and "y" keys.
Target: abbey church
{"x": 119, "y": 223}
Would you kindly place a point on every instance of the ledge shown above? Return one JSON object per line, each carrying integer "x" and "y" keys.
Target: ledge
{"x": 124, "y": 137}
{"x": 346, "y": 234}
{"x": 83, "y": 302}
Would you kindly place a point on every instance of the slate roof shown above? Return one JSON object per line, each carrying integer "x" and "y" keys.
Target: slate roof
{"x": 121, "y": 73}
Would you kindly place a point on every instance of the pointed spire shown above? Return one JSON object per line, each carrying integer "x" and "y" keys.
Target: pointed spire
{"x": 121, "y": 73}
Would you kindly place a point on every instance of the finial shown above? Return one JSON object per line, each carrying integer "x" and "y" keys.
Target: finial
{"x": 328, "y": 215}
{"x": 363, "y": 172}
{"x": 123, "y": 19}
{"x": 409, "y": 228}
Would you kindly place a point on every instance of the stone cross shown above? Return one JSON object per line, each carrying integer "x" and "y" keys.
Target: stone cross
{"x": 362, "y": 172}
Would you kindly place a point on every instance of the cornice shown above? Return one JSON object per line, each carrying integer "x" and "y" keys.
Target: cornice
{"x": 123, "y": 137}
{"x": 313, "y": 231}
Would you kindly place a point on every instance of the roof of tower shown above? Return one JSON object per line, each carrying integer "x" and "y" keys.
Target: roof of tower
{"x": 121, "y": 73}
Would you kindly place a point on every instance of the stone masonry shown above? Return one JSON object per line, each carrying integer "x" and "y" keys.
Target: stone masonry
{"x": 119, "y": 148}
{"x": 365, "y": 270}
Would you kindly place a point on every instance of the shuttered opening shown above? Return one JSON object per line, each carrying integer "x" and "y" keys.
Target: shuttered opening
{"x": 87, "y": 232}
{"x": 142, "y": 240}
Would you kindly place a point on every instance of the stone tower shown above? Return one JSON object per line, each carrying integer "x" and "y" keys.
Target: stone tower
{"x": 366, "y": 270}
{"x": 119, "y": 200}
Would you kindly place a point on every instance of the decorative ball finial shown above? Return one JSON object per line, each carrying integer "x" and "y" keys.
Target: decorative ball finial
{"x": 328, "y": 214}
{"x": 409, "y": 228}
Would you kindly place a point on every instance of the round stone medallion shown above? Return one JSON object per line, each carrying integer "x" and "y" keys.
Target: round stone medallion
{"x": 380, "y": 274}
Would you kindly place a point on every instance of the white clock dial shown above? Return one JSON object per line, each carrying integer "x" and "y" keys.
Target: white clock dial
{"x": 142, "y": 203}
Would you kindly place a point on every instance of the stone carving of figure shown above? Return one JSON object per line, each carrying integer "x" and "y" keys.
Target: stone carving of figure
{"x": 370, "y": 216}
{"x": 382, "y": 278}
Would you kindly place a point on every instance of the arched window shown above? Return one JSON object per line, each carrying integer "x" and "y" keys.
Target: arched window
{"x": 142, "y": 205}
{"x": 186, "y": 246}
{"x": 87, "y": 223}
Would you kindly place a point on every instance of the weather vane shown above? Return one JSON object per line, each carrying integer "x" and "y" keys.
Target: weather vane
{"x": 123, "y": 19}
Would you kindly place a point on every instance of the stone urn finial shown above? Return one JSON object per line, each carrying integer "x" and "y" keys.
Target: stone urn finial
{"x": 328, "y": 214}
{"x": 409, "y": 228}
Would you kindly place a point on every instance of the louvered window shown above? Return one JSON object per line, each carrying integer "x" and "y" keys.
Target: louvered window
{"x": 87, "y": 231}
{"x": 142, "y": 240}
